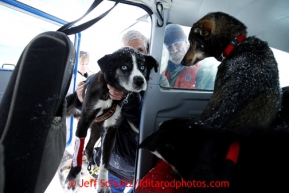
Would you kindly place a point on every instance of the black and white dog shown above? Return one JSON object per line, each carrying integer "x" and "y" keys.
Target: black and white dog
{"x": 126, "y": 69}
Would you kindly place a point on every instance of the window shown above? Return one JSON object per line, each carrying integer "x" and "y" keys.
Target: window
{"x": 283, "y": 66}
{"x": 104, "y": 37}
{"x": 202, "y": 74}
{"x": 174, "y": 75}
{"x": 17, "y": 31}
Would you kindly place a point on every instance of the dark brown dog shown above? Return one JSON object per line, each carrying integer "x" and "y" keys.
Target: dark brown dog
{"x": 243, "y": 107}
{"x": 247, "y": 91}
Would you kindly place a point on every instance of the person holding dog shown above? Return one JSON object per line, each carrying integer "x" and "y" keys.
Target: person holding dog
{"x": 122, "y": 162}
{"x": 200, "y": 76}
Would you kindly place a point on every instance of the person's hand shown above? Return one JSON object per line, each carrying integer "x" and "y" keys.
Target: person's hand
{"x": 204, "y": 173}
{"x": 114, "y": 93}
{"x": 79, "y": 91}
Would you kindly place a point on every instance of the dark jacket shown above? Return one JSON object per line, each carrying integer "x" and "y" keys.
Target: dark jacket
{"x": 122, "y": 162}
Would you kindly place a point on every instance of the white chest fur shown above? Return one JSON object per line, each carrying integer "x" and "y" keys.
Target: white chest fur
{"x": 104, "y": 104}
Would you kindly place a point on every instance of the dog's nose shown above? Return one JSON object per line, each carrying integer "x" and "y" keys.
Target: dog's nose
{"x": 137, "y": 80}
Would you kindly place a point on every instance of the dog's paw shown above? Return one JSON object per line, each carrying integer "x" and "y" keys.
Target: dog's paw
{"x": 104, "y": 189}
{"x": 74, "y": 171}
{"x": 72, "y": 187}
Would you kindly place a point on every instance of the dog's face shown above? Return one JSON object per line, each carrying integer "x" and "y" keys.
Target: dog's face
{"x": 210, "y": 35}
{"x": 127, "y": 69}
{"x": 198, "y": 49}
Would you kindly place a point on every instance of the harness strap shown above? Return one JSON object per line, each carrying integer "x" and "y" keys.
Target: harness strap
{"x": 231, "y": 46}
{"x": 88, "y": 80}
{"x": 107, "y": 113}
{"x": 84, "y": 75}
{"x": 68, "y": 30}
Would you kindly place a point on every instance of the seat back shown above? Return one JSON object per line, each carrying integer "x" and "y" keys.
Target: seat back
{"x": 32, "y": 113}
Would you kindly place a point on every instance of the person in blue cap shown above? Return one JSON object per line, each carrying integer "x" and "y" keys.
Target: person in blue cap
{"x": 179, "y": 76}
{"x": 200, "y": 76}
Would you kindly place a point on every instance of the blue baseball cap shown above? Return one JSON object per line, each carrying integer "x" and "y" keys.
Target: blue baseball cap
{"x": 174, "y": 33}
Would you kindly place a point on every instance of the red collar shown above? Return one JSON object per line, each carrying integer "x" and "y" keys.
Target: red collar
{"x": 231, "y": 46}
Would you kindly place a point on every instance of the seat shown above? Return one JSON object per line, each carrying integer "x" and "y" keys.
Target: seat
{"x": 33, "y": 114}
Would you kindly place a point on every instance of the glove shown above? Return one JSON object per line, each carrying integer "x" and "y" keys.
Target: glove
{"x": 206, "y": 179}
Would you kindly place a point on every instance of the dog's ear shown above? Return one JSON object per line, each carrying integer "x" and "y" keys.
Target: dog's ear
{"x": 103, "y": 62}
{"x": 151, "y": 63}
{"x": 204, "y": 28}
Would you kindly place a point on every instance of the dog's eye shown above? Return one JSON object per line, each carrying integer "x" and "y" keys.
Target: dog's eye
{"x": 124, "y": 67}
{"x": 142, "y": 67}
